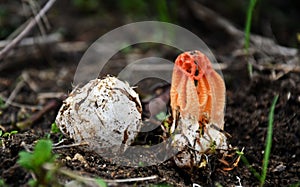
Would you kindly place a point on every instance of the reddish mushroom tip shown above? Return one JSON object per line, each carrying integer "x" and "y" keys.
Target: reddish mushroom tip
{"x": 208, "y": 86}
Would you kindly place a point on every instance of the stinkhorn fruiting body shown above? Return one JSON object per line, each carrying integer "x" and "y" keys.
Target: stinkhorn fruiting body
{"x": 105, "y": 113}
{"x": 198, "y": 102}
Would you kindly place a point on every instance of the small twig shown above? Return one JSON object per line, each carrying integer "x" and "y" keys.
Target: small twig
{"x": 34, "y": 10}
{"x": 13, "y": 94}
{"x": 71, "y": 145}
{"x": 57, "y": 47}
{"x": 89, "y": 179}
{"x": 27, "y": 147}
{"x": 279, "y": 67}
{"x": 17, "y": 31}
{"x": 50, "y": 95}
{"x": 68, "y": 47}
{"x": 34, "y": 118}
{"x": 137, "y": 179}
{"x": 26, "y": 77}
{"x": 39, "y": 40}
{"x": 5, "y": 81}
{"x": 2, "y": 128}
{"x": 30, "y": 107}
{"x": 28, "y": 28}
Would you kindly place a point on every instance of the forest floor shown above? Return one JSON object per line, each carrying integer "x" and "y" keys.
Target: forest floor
{"x": 40, "y": 82}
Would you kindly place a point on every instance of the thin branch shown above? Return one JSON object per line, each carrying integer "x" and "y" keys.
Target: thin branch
{"x": 50, "y": 95}
{"x": 27, "y": 29}
{"x": 38, "y": 115}
{"x": 39, "y": 40}
{"x": 92, "y": 181}
{"x": 13, "y": 94}
{"x": 57, "y": 47}
{"x": 71, "y": 145}
{"x": 263, "y": 44}
{"x": 131, "y": 179}
{"x": 35, "y": 10}
{"x": 19, "y": 105}
{"x": 87, "y": 179}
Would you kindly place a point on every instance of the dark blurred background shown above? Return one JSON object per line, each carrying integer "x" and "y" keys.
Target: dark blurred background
{"x": 88, "y": 19}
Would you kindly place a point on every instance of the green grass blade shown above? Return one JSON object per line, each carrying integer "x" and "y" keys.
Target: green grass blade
{"x": 245, "y": 161}
{"x": 248, "y": 23}
{"x": 252, "y": 170}
{"x": 268, "y": 142}
{"x": 247, "y": 31}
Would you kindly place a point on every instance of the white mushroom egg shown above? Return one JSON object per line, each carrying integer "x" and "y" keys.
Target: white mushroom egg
{"x": 193, "y": 144}
{"x": 105, "y": 113}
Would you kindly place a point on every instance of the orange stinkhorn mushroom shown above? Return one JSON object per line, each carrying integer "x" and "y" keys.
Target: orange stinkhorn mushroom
{"x": 197, "y": 101}
{"x": 197, "y": 90}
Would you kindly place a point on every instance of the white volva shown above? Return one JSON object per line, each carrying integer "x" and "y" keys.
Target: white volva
{"x": 105, "y": 113}
{"x": 193, "y": 145}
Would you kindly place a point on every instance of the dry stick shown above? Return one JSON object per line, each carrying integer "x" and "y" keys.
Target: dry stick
{"x": 35, "y": 117}
{"x": 71, "y": 145}
{"x": 30, "y": 25}
{"x": 28, "y": 44}
{"x": 39, "y": 40}
{"x": 19, "y": 105}
{"x": 26, "y": 77}
{"x": 267, "y": 45}
{"x": 14, "y": 92}
{"x": 137, "y": 179}
{"x": 34, "y": 10}
{"x": 54, "y": 39}
{"x": 35, "y": 7}
{"x": 50, "y": 95}
{"x": 17, "y": 31}
{"x": 86, "y": 179}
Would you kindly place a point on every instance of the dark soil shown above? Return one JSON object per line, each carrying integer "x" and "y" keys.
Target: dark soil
{"x": 246, "y": 117}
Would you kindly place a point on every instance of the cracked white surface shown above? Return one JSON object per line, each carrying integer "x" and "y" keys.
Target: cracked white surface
{"x": 104, "y": 113}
